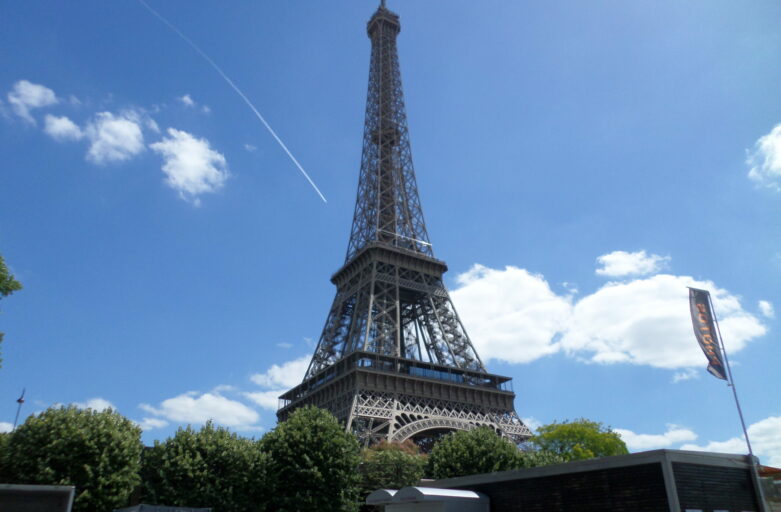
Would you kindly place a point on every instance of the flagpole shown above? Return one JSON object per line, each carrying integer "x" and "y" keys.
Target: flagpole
{"x": 19, "y": 401}
{"x": 731, "y": 383}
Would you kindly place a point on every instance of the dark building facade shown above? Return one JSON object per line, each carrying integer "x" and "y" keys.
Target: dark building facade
{"x": 654, "y": 481}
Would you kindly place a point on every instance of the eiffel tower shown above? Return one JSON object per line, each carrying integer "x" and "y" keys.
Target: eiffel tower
{"x": 394, "y": 361}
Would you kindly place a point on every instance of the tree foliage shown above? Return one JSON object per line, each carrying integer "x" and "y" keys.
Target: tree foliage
{"x": 4, "y": 438}
{"x": 97, "y": 452}
{"x": 535, "y": 458}
{"x": 389, "y": 465}
{"x": 579, "y": 439}
{"x": 8, "y": 285}
{"x": 479, "y": 450}
{"x": 211, "y": 467}
{"x": 312, "y": 464}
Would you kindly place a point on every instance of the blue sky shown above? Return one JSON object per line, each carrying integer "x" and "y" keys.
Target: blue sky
{"x": 579, "y": 165}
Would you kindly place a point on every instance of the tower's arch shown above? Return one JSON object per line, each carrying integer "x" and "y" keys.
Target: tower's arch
{"x": 411, "y": 430}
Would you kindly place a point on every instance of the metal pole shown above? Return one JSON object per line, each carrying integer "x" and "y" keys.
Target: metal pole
{"x": 19, "y": 401}
{"x": 731, "y": 384}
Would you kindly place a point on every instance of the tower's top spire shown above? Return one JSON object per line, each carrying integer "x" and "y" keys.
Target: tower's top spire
{"x": 387, "y": 210}
{"x": 383, "y": 14}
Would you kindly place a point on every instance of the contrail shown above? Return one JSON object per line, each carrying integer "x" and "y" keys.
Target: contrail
{"x": 238, "y": 91}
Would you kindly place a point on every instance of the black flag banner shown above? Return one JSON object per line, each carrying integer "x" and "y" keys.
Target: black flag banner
{"x": 705, "y": 330}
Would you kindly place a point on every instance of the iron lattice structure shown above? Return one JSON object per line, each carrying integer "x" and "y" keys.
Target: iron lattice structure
{"x": 394, "y": 361}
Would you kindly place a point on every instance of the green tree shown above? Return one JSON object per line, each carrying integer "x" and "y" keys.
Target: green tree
{"x": 390, "y": 465}
{"x": 97, "y": 452}
{"x": 4, "y": 438}
{"x": 313, "y": 464}
{"x": 8, "y": 285}
{"x": 211, "y": 467}
{"x": 579, "y": 439}
{"x": 479, "y": 450}
{"x": 536, "y": 458}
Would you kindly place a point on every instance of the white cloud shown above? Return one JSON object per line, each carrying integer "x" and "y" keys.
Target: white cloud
{"x": 733, "y": 445}
{"x": 283, "y": 344}
{"x": 511, "y": 314}
{"x": 766, "y": 308}
{"x": 152, "y": 125}
{"x": 62, "y": 128}
{"x": 187, "y": 100}
{"x": 288, "y": 375}
{"x": 114, "y": 138}
{"x": 25, "y": 96}
{"x": 250, "y": 147}
{"x": 96, "y": 404}
{"x": 686, "y": 374}
{"x": 277, "y": 380}
{"x": 191, "y": 167}
{"x": 5, "y": 427}
{"x": 266, "y": 399}
{"x": 151, "y": 423}
{"x": 571, "y": 288}
{"x": 622, "y": 263}
{"x": 532, "y": 423}
{"x": 197, "y": 409}
{"x": 647, "y": 322}
{"x": 765, "y": 438}
{"x": 765, "y": 160}
{"x": 642, "y": 442}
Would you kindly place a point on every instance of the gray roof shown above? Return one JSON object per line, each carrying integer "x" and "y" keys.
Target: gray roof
{"x": 423, "y": 494}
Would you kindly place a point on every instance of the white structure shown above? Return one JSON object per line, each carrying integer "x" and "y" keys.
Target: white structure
{"x": 429, "y": 499}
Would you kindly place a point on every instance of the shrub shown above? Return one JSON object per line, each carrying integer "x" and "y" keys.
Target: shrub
{"x": 313, "y": 464}
{"x": 211, "y": 467}
{"x": 98, "y": 452}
